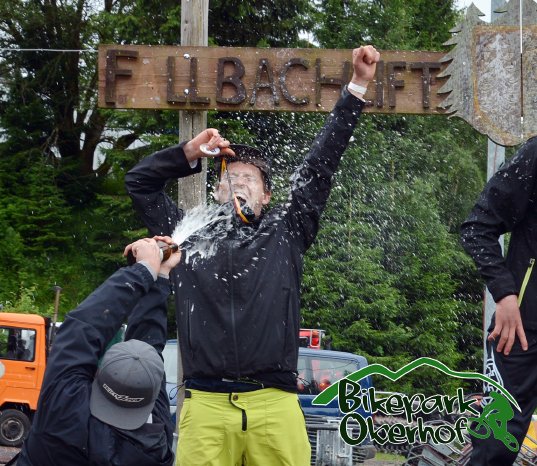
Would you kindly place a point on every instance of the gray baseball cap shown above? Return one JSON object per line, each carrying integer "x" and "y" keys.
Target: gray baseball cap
{"x": 127, "y": 384}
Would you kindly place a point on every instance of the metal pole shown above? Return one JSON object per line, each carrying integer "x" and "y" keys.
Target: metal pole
{"x": 495, "y": 158}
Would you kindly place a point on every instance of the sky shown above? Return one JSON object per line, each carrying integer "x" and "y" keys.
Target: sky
{"x": 482, "y": 5}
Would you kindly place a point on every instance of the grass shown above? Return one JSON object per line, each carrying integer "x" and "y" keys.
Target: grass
{"x": 389, "y": 457}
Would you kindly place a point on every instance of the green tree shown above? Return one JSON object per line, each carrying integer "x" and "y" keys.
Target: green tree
{"x": 383, "y": 276}
{"x": 388, "y": 24}
{"x": 261, "y": 24}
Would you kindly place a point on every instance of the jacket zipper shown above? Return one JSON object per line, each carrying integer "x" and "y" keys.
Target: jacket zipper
{"x": 525, "y": 281}
{"x": 189, "y": 323}
{"x": 232, "y": 309}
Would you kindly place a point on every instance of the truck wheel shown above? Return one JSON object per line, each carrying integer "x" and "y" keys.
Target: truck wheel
{"x": 14, "y": 427}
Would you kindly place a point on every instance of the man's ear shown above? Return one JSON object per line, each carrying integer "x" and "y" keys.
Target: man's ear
{"x": 266, "y": 197}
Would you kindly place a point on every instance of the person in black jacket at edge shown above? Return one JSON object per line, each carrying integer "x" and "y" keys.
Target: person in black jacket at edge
{"x": 238, "y": 311}
{"x": 508, "y": 203}
{"x": 117, "y": 413}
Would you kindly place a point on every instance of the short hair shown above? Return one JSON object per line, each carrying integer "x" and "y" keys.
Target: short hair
{"x": 251, "y": 155}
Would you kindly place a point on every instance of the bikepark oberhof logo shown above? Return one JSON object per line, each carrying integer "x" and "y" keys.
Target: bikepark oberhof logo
{"x": 497, "y": 409}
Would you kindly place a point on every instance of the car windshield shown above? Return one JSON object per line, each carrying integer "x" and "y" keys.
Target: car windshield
{"x": 316, "y": 374}
{"x": 170, "y": 362}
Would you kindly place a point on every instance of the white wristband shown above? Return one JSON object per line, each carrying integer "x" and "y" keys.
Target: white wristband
{"x": 356, "y": 88}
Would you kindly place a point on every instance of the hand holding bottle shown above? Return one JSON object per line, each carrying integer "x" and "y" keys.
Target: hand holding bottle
{"x": 146, "y": 250}
{"x": 171, "y": 254}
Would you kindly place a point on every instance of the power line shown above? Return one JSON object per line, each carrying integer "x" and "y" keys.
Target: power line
{"x": 50, "y": 50}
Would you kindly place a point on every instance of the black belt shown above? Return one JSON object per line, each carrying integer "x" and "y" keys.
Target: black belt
{"x": 223, "y": 385}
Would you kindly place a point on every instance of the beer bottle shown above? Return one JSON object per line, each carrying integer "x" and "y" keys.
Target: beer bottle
{"x": 166, "y": 250}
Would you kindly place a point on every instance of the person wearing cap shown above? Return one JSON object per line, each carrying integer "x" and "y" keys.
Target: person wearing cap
{"x": 116, "y": 411}
{"x": 238, "y": 312}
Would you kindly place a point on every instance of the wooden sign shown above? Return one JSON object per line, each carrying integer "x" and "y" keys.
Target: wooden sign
{"x": 261, "y": 79}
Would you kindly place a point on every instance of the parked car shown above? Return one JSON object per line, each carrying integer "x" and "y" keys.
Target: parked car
{"x": 317, "y": 370}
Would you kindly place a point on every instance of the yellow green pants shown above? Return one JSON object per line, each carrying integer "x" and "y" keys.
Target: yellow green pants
{"x": 260, "y": 428}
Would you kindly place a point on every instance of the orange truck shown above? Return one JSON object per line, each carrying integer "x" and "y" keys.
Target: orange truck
{"x": 23, "y": 355}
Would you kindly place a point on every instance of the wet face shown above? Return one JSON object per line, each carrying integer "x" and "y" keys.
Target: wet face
{"x": 247, "y": 183}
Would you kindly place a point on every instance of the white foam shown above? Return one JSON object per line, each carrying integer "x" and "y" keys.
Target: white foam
{"x": 193, "y": 226}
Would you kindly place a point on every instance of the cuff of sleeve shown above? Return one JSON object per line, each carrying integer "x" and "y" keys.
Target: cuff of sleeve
{"x": 163, "y": 281}
{"x": 195, "y": 165}
{"x": 351, "y": 101}
{"x": 164, "y": 275}
{"x": 359, "y": 98}
{"x": 150, "y": 269}
{"x": 501, "y": 287}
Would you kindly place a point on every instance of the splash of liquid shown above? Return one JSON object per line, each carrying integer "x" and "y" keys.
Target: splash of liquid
{"x": 197, "y": 231}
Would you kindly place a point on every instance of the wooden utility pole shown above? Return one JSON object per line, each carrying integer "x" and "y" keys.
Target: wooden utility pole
{"x": 192, "y": 189}
{"x": 194, "y": 31}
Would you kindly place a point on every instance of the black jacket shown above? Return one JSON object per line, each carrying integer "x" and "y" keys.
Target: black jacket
{"x": 508, "y": 204}
{"x": 63, "y": 432}
{"x": 239, "y": 311}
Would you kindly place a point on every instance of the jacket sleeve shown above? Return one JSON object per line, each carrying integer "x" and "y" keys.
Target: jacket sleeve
{"x": 148, "y": 322}
{"x": 312, "y": 181}
{"x": 502, "y": 207}
{"x": 146, "y": 182}
{"x": 77, "y": 348}
{"x": 83, "y": 336}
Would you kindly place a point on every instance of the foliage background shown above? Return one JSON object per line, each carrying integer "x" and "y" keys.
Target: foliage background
{"x": 386, "y": 277}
